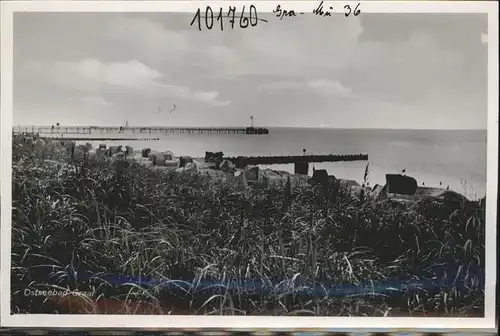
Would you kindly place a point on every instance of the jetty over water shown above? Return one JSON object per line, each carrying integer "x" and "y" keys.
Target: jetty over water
{"x": 301, "y": 162}
{"x": 101, "y": 139}
{"x": 140, "y": 129}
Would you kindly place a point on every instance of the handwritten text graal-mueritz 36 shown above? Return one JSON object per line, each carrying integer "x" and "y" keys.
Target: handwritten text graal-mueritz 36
{"x": 249, "y": 18}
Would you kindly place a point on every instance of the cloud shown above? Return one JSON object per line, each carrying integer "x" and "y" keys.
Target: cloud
{"x": 147, "y": 36}
{"x": 96, "y": 100}
{"x": 279, "y": 86}
{"x": 92, "y": 75}
{"x": 291, "y": 46}
{"x": 331, "y": 88}
{"x": 323, "y": 87}
{"x": 299, "y": 46}
{"x": 140, "y": 61}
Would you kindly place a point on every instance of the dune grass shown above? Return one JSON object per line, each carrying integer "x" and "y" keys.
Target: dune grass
{"x": 122, "y": 218}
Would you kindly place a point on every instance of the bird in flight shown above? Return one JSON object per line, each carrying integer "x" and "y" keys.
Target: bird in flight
{"x": 172, "y": 110}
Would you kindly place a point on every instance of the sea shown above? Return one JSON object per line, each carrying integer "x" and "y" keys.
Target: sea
{"x": 454, "y": 159}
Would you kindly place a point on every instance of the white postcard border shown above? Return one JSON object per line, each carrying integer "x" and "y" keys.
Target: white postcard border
{"x": 244, "y": 322}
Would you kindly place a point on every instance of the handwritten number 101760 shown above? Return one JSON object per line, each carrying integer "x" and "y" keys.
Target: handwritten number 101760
{"x": 244, "y": 21}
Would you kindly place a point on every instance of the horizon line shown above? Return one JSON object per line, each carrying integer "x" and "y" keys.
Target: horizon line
{"x": 274, "y": 126}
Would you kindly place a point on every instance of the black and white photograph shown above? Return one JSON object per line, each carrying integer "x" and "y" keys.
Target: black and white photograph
{"x": 289, "y": 159}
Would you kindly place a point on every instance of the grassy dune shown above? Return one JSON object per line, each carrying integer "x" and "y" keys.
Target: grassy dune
{"x": 122, "y": 218}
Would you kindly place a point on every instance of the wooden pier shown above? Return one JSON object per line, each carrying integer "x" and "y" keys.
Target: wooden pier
{"x": 301, "y": 162}
{"x": 100, "y": 139}
{"x": 120, "y": 130}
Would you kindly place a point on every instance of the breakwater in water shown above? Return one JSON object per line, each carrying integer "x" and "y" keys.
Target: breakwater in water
{"x": 242, "y": 161}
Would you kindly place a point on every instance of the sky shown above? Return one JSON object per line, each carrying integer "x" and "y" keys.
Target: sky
{"x": 422, "y": 71}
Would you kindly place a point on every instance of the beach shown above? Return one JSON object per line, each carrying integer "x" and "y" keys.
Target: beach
{"x": 453, "y": 158}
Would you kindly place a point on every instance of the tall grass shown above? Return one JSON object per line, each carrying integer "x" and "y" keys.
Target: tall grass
{"x": 106, "y": 216}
